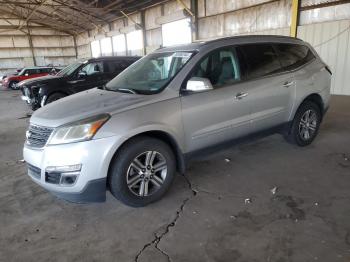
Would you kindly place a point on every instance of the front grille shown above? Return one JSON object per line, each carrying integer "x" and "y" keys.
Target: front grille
{"x": 34, "y": 171}
{"x": 52, "y": 178}
{"x": 37, "y": 136}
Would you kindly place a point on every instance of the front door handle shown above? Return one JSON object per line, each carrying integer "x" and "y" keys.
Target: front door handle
{"x": 240, "y": 95}
{"x": 288, "y": 83}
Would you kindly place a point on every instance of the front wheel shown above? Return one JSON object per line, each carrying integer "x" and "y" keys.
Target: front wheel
{"x": 305, "y": 125}
{"x": 142, "y": 172}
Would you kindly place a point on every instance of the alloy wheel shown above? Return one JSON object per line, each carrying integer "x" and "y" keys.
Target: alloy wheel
{"x": 308, "y": 125}
{"x": 146, "y": 173}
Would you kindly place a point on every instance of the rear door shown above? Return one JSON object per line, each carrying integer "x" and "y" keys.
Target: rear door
{"x": 272, "y": 89}
{"x": 223, "y": 113}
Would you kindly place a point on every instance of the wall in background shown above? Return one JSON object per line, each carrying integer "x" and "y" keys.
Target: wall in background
{"x": 41, "y": 47}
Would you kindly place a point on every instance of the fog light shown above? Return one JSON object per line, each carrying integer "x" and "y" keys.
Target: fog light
{"x": 68, "y": 180}
{"x": 62, "y": 175}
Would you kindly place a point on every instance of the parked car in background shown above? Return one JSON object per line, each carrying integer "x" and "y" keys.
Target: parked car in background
{"x": 77, "y": 77}
{"x": 9, "y": 73}
{"x": 11, "y": 81}
{"x": 134, "y": 134}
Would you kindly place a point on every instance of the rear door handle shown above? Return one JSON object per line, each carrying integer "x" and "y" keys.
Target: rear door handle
{"x": 288, "y": 83}
{"x": 240, "y": 95}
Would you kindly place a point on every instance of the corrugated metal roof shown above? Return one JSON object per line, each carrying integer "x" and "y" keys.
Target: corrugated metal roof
{"x": 67, "y": 16}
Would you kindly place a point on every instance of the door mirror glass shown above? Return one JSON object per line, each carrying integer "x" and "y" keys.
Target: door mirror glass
{"x": 198, "y": 84}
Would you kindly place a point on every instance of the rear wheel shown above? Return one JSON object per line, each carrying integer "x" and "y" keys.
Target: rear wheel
{"x": 142, "y": 172}
{"x": 54, "y": 97}
{"x": 305, "y": 125}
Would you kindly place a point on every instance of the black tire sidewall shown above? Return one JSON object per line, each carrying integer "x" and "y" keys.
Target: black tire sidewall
{"x": 295, "y": 128}
{"x": 117, "y": 175}
{"x": 11, "y": 85}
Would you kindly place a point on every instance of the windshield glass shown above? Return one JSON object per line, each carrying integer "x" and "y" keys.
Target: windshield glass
{"x": 151, "y": 74}
{"x": 68, "y": 70}
{"x": 21, "y": 73}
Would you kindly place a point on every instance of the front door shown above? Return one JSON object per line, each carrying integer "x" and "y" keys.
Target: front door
{"x": 222, "y": 113}
{"x": 89, "y": 76}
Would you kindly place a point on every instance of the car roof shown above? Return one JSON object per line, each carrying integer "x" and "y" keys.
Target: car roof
{"x": 37, "y": 67}
{"x": 104, "y": 58}
{"x": 196, "y": 46}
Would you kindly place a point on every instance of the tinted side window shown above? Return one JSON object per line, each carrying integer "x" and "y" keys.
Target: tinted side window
{"x": 260, "y": 60}
{"x": 292, "y": 56}
{"x": 31, "y": 71}
{"x": 220, "y": 67}
{"x": 116, "y": 67}
{"x": 45, "y": 70}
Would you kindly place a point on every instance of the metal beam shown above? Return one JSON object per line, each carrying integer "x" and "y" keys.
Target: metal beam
{"x": 186, "y": 8}
{"x": 31, "y": 46}
{"x": 143, "y": 22}
{"x": 32, "y": 13}
{"x": 295, "y": 18}
{"x": 321, "y": 5}
{"x": 194, "y": 8}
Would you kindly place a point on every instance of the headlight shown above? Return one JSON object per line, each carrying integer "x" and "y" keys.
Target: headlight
{"x": 78, "y": 131}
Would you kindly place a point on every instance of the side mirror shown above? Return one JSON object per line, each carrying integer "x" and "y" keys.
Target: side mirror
{"x": 26, "y": 74}
{"x": 198, "y": 84}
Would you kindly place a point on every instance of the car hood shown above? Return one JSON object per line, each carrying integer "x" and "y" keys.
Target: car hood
{"x": 89, "y": 103}
{"x": 40, "y": 80}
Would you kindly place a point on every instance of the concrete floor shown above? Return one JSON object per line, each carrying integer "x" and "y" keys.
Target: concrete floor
{"x": 204, "y": 217}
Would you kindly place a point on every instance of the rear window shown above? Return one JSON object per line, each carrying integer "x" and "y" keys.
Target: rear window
{"x": 259, "y": 60}
{"x": 293, "y": 56}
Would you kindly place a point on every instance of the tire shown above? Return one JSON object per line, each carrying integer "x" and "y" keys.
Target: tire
{"x": 54, "y": 97}
{"x": 12, "y": 85}
{"x": 129, "y": 171}
{"x": 307, "y": 120}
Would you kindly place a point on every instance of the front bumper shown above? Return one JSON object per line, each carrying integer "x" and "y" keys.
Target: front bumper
{"x": 94, "y": 157}
{"x": 33, "y": 100}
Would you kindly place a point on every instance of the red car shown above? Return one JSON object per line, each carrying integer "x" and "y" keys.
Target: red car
{"x": 26, "y": 73}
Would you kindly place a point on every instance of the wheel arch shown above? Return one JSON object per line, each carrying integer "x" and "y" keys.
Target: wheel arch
{"x": 163, "y": 136}
{"x": 57, "y": 92}
{"x": 315, "y": 98}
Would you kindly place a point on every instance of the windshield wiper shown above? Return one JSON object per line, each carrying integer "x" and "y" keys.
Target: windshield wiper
{"x": 127, "y": 90}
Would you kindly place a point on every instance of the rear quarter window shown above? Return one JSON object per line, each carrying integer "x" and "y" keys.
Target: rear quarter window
{"x": 293, "y": 56}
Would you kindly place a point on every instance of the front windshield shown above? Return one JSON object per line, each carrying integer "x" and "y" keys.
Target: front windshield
{"x": 68, "y": 70}
{"x": 151, "y": 74}
{"x": 21, "y": 73}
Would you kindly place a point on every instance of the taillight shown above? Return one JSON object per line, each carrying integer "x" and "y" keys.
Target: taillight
{"x": 328, "y": 69}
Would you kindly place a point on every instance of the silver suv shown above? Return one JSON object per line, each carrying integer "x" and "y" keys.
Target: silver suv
{"x": 132, "y": 135}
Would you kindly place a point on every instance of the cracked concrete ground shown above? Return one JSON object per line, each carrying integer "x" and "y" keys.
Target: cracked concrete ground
{"x": 204, "y": 217}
